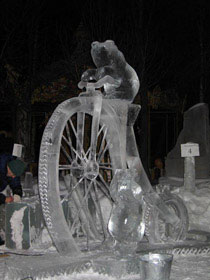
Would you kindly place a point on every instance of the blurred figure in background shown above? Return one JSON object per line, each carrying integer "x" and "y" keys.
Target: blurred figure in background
{"x": 157, "y": 171}
{"x": 10, "y": 171}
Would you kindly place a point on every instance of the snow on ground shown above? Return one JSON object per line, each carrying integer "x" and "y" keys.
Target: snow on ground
{"x": 183, "y": 268}
{"x": 90, "y": 274}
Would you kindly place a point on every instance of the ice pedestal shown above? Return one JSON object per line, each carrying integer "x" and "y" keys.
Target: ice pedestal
{"x": 24, "y": 223}
{"x": 28, "y": 187}
{"x": 17, "y": 226}
{"x": 189, "y": 173}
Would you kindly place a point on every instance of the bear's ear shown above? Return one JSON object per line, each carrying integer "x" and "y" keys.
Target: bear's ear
{"x": 94, "y": 43}
{"x": 110, "y": 42}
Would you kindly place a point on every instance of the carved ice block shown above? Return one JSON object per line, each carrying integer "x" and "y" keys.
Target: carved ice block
{"x": 195, "y": 130}
{"x": 66, "y": 210}
{"x": 24, "y": 223}
{"x": 17, "y": 226}
{"x": 2, "y": 218}
{"x": 28, "y": 184}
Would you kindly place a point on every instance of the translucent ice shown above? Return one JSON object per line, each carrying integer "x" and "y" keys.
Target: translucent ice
{"x": 111, "y": 62}
{"x": 126, "y": 221}
{"x": 89, "y": 138}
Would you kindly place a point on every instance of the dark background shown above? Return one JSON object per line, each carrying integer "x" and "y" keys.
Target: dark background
{"x": 166, "y": 42}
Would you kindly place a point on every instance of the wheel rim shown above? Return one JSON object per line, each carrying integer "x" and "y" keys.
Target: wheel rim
{"x": 165, "y": 231}
{"x": 65, "y": 148}
{"x": 88, "y": 178}
{"x": 157, "y": 230}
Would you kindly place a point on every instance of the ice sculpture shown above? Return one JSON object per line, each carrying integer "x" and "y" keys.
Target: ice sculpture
{"x": 90, "y": 141}
{"x": 111, "y": 62}
{"x": 196, "y": 130}
{"x": 126, "y": 223}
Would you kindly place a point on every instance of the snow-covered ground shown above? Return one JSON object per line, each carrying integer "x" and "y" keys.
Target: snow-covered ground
{"x": 189, "y": 267}
{"x": 183, "y": 268}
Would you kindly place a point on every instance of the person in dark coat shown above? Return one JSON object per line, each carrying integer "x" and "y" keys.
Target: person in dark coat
{"x": 10, "y": 171}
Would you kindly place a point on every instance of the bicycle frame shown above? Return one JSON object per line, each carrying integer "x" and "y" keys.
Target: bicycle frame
{"x": 127, "y": 114}
{"x": 122, "y": 115}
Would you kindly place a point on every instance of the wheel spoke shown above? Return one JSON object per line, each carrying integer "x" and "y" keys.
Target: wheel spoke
{"x": 104, "y": 182}
{"x": 70, "y": 167}
{"x": 100, "y": 156}
{"x": 105, "y": 164}
{"x": 75, "y": 186}
{"x": 104, "y": 189}
{"x": 102, "y": 142}
{"x": 101, "y": 129}
{"x": 78, "y": 141}
{"x": 69, "y": 139}
{"x": 95, "y": 127}
{"x": 88, "y": 151}
{"x": 72, "y": 148}
{"x": 104, "y": 167}
{"x": 64, "y": 167}
{"x": 84, "y": 214}
{"x": 66, "y": 154}
{"x": 80, "y": 131}
{"x": 98, "y": 207}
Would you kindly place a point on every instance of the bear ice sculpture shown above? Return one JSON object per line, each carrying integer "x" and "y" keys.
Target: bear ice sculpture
{"x": 121, "y": 80}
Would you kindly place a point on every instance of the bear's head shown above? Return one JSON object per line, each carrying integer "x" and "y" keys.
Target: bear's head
{"x": 106, "y": 53}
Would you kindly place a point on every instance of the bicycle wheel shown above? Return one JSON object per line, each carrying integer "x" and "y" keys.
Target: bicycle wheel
{"x": 157, "y": 230}
{"x": 84, "y": 142}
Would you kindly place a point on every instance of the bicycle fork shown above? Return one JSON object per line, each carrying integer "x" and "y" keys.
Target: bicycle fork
{"x": 134, "y": 162}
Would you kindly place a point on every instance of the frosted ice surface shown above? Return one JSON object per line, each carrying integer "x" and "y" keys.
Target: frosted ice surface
{"x": 198, "y": 206}
{"x": 125, "y": 223}
{"x": 183, "y": 268}
{"x": 17, "y": 227}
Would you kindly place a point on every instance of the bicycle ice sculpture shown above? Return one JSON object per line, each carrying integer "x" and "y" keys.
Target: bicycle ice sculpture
{"x": 91, "y": 138}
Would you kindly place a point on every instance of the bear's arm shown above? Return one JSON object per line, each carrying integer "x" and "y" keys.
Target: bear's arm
{"x": 106, "y": 74}
{"x": 104, "y": 71}
{"x": 89, "y": 75}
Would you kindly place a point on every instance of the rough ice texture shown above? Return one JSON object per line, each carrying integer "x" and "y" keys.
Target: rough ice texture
{"x": 17, "y": 227}
{"x": 111, "y": 62}
{"x": 125, "y": 223}
{"x": 195, "y": 129}
{"x": 183, "y": 268}
{"x": 198, "y": 206}
{"x": 86, "y": 275}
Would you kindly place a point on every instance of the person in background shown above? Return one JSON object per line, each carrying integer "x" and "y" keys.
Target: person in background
{"x": 157, "y": 171}
{"x": 10, "y": 171}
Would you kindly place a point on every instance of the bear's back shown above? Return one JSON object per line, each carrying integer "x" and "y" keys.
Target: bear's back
{"x": 106, "y": 55}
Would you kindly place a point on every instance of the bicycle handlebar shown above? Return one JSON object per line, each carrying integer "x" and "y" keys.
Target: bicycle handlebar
{"x": 100, "y": 83}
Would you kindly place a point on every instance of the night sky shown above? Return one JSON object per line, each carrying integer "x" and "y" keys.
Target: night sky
{"x": 166, "y": 42}
{"x": 170, "y": 31}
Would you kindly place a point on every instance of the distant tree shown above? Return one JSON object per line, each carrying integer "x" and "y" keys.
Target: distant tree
{"x": 19, "y": 56}
{"x": 146, "y": 46}
{"x": 135, "y": 26}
